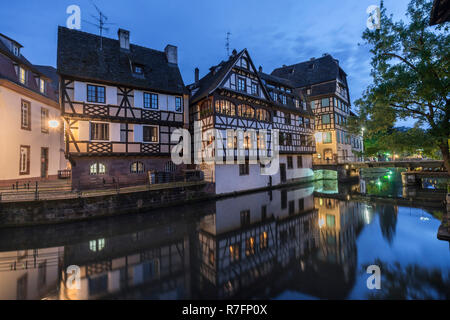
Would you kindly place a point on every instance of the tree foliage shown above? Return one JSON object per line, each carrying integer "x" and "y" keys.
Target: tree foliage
{"x": 410, "y": 66}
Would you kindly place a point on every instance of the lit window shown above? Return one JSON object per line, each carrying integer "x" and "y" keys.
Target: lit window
{"x": 234, "y": 252}
{"x": 42, "y": 85}
{"x": 150, "y": 134}
{"x": 138, "y": 69}
{"x": 297, "y": 103}
{"x": 250, "y": 246}
{"x": 97, "y": 168}
{"x": 137, "y": 167}
{"x": 22, "y": 75}
{"x": 263, "y": 240}
{"x": 283, "y": 99}
{"x": 225, "y": 107}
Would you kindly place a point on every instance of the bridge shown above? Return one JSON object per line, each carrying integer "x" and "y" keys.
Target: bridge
{"x": 350, "y": 170}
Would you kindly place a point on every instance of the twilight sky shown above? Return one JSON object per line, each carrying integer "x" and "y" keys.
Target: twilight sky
{"x": 275, "y": 32}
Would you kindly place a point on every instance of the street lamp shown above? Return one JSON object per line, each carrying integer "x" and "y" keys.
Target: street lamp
{"x": 53, "y": 124}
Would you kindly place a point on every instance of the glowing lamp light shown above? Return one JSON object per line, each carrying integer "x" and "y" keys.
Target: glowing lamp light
{"x": 53, "y": 124}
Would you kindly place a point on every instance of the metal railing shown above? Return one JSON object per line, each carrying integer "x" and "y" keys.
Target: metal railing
{"x": 51, "y": 191}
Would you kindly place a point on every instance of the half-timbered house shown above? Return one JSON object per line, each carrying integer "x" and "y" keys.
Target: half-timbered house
{"x": 120, "y": 104}
{"x": 234, "y": 95}
{"x": 30, "y": 141}
{"x": 324, "y": 83}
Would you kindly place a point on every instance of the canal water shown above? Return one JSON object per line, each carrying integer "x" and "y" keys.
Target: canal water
{"x": 305, "y": 242}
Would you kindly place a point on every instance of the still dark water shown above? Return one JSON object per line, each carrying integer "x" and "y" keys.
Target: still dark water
{"x": 283, "y": 244}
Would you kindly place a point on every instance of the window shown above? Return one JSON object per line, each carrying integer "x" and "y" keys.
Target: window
{"x": 170, "y": 166}
{"x": 244, "y": 63}
{"x": 234, "y": 252}
{"x": 250, "y": 246}
{"x": 138, "y": 69}
{"x": 307, "y": 123}
{"x": 205, "y": 109}
{"x": 26, "y": 115}
{"x": 137, "y": 167}
{"x": 178, "y": 104}
{"x": 331, "y": 220}
{"x": 22, "y": 285}
{"x": 287, "y": 118}
{"x": 325, "y": 102}
{"x": 44, "y": 120}
{"x": 297, "y": 103}
{"x": 150, "y": 100}
{"x": 242, "y": 85}
{"x": 327, "y": 137}
{"x": 283, "y": 99}
{"x": 22, "y": 75}
{"x": 24, "y": 163}
{"x": 325, "y": 119}
{"x": 95, "y": 94}
{"x": 244, "y": 169}
{"x": 225, "y": 107}
{"x": 16, "y": 50}
{"x": 42, "y": 86}
{"x": 150, "y": 134}
{"x": 301, "y": 204}
{"x": 263, "y": 240}
{"x": 299, "y": 162}
{"x": 99, "y": 131}
{"x": 308, "y": 91}
{"x": 275, "y": 96}
{"x": 42, "y": 273}
{"x": 245, "y": 218}
{"x": 263, "y": 212}
{"x": 313, "y": 104}
{"x": 262, "y": 115}
{"x": 289, "y": 162}
{"x": 291, "y": 207}
{"x": 255, "y": 88}
{"x": 246, "y": 111}
{"x": 97, "y": 168}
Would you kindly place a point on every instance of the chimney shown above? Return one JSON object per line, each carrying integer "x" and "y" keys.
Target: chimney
{"x": 260, "y": 69}
{"x": 171, "y": 54}
{"x": 196, "y": 75}
{"x": 124, "y": 39}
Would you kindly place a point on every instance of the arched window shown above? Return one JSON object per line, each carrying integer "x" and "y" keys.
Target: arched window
{"x": 205, "y": 109}
{"x": 137, "y": 167}
{"x": 246, "y": 111}
{"x": 225, "y": 107}
{"x": 170, "y": 166}
{"x": 262, "y": 115}
{"x": 97, "y": 168}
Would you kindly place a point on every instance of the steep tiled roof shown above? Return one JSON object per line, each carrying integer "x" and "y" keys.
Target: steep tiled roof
{"x": 211, "y": 80}
{"x": 311, "y": 72}
{"x": 79, "y": 56}
{"x": 8, "y": 72}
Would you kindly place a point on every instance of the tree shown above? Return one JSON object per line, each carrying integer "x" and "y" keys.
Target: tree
{"x": 410, "y": 66}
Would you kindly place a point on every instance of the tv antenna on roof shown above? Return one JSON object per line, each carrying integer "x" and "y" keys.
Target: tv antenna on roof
{"x": 227, "y": 44}
{"x": 101, "y": 23}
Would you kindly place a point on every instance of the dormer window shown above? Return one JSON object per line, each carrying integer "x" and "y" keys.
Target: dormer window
{"x": 16, "y": 50}
{"x": 22, "y": 75}
{"x": 138, "y": 69}
{"x": 42, "y": 86}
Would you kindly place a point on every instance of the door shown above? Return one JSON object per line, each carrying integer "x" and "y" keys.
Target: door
{"x": 44, "y": 162}
{"x": 283, "y": 172}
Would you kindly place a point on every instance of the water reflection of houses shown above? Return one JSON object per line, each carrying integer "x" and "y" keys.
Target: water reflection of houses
{"x": 250, "y": 239}
{"x": 29, "y": 274}
{"x": 152, "y": 263}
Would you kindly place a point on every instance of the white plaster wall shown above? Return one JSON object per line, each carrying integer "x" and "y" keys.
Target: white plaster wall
{"x": 12, "y": 136}
{"x": 80, "y": 92}
{"x": 228, "y": 179}
{"x": 297, "y": 173}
